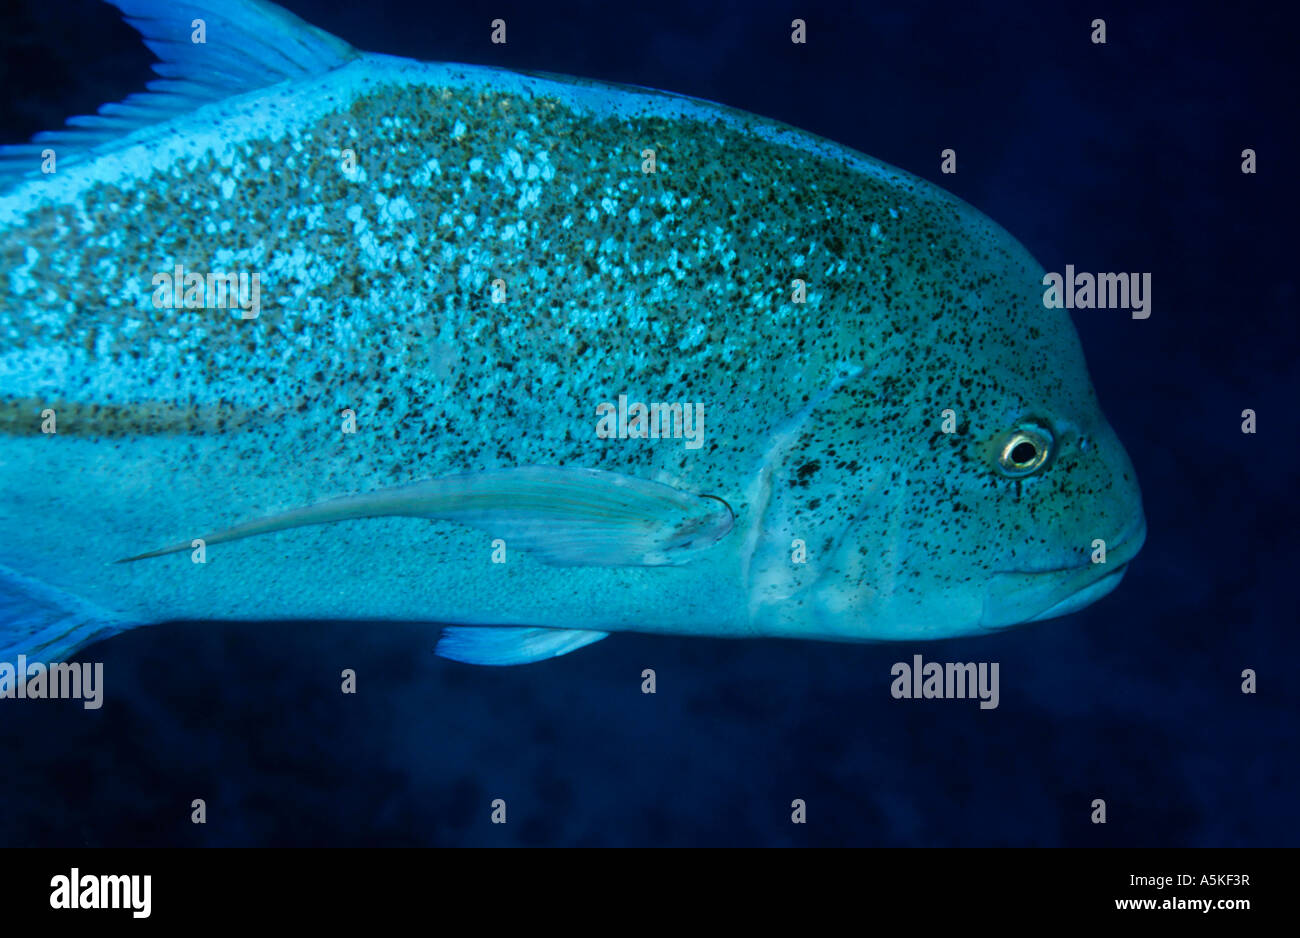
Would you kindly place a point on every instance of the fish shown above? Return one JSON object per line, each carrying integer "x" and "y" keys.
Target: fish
{"x": 305, "y": 333}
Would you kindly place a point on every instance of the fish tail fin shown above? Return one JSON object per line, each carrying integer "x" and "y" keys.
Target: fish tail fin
{"x": 209, "y": 50}
{"x": 46, "y": 624}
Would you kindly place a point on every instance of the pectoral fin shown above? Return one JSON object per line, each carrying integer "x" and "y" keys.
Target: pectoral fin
{"x": 566, "y": 517}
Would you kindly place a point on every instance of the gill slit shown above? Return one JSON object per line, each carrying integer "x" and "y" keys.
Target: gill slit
{"x": 758, "y": 493}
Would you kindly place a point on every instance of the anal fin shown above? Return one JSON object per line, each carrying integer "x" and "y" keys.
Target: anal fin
{"x": 46, "y": 624}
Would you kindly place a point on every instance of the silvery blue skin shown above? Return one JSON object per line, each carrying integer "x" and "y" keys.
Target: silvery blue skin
{"x": 456, "y": 267}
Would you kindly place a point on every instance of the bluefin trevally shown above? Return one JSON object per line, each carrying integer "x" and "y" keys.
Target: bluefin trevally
{"x": 306, "y": 333}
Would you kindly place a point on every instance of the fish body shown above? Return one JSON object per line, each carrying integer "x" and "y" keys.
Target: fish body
{"x": 466, "y": 279}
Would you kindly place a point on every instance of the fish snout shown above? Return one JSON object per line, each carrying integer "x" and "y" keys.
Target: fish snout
{"x": 1015, "y": 597}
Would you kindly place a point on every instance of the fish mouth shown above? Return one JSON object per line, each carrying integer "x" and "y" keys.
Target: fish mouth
{"x": 1083, "y": 597}
{"x": 1015, "y": 597}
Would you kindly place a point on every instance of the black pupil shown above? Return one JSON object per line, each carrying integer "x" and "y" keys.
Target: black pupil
{"x": 1024, "y": 452}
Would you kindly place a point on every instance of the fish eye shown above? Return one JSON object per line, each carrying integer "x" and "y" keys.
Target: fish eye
{"x": 1025, "y": 450}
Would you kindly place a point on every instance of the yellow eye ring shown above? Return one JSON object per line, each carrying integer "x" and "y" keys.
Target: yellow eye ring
{"x": 1025, "y": 451}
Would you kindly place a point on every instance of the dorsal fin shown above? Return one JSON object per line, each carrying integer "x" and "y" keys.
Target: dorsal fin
{"x": 249, "y": 44}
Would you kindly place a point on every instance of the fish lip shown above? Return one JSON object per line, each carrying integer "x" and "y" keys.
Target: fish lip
{"x": 1125, "y": 547}
{"x": 1118, "y": 558}
{"x": 1070, "y": 603}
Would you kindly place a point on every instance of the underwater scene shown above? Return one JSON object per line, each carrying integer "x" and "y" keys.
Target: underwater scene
{"x": 573, "y": 424}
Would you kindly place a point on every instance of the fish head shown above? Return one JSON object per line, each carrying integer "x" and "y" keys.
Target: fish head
{"x": 968, "y": 480}
{"x": 1071, "y": 527}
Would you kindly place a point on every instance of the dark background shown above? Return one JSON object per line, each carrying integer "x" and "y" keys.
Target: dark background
{"x": 1119, "y": 157}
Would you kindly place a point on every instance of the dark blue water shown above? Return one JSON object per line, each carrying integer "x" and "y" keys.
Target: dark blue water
{"x": 1120, "y": 157}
